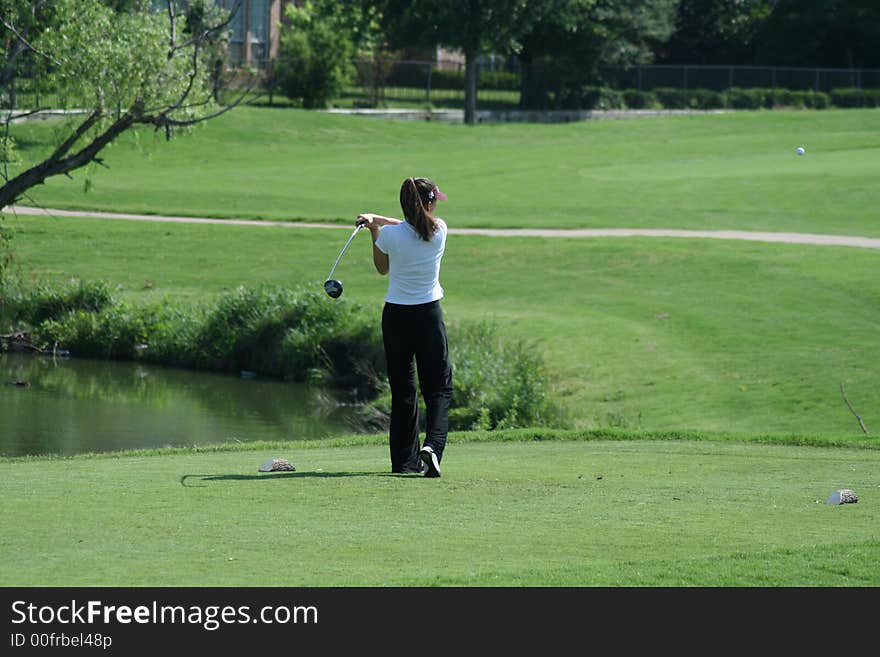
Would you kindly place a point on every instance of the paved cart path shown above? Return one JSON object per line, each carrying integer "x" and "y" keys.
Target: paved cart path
{"x": 755, "y": 236}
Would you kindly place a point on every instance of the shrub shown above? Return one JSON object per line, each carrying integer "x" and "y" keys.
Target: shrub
{"x": 640, "y": 99}
{"x": 114, "y": 333}
{"x": 601, "y": 98}
{"x": 291, "y": 334}
{"x": 817, "y": 99}
{"x": 854, "y": 97}
{"x": 173, "y": 330}
{"x": 786, "y": 98}
{"x": 672, "y": 98}
{"x": 748, "y": 98}
{"x": 589, "y": 98}
{"x": 301, "y": 335}
{"x": 796, "y": 98}
{"x": 45, "y": 302}
{"x": 497, "y": 383}
{"x": 314, "y": 62}
{"x": 808, "y": 99}
{"x": 79, "y": 328}
{"x": 850, "y": 97}
{"x": 764, "y": 96}
{"x": 706, "y": 99}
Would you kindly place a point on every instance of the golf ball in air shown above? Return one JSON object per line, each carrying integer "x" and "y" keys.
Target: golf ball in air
{"x": 800, "y": 150}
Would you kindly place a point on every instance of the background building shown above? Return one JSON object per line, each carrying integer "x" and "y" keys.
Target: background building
{"x": 255, "y": 36}
{"x": 255, "y": 33}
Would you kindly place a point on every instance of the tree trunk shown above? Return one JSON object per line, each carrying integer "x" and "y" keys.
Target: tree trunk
{"x": 470, "y": 86}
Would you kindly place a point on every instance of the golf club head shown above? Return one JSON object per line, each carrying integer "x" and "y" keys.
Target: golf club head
{"x": 333, "y": 288}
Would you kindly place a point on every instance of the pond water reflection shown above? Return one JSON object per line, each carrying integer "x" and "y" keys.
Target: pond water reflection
{"x": 69, "y": 406}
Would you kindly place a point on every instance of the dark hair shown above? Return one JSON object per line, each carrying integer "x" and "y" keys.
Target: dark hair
{"x": 415, "y": 194}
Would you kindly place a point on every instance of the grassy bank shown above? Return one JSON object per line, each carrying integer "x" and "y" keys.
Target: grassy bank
{"x": 284, "y": 334}
{"x": 730, "y": 171}
{"x": 569, "y": 510}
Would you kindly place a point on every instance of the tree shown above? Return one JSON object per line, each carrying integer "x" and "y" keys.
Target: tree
{"x": 834, "y": 33}
{"x": 627, "y": 32}
{"x": 359, "y": 19}
{"x": 715, "y": 31}
{"x": 544, "y": 26}
{"x": 574, "y": 39}
{"x": 120, "y": 69}
{"x": 315, "y": 54}
{"x": 473, "y": 26}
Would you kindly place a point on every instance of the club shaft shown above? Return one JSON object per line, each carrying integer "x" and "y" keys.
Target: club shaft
{"x": 339, "y": 257}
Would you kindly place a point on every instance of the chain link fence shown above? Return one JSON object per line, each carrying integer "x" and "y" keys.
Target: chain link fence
{"x": 384, "y": 82}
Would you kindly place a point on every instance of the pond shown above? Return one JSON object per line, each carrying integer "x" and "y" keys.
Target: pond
{"x": 68, "y": 406}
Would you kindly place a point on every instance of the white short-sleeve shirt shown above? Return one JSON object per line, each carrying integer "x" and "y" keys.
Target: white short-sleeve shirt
{"x": 413, "y": 263}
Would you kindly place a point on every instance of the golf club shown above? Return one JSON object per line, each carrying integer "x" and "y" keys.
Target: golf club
{"x": 333, "y": 287}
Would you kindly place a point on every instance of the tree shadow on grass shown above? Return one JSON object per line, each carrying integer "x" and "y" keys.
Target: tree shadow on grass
{"x": 274, "y": 476}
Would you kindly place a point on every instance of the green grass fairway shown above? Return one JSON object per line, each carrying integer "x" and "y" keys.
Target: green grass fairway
{"x": 639, "y": 333}
{"x": 555, "y": 513}
{"x": 702, "y": 377}
{"x": 728, "y": 171}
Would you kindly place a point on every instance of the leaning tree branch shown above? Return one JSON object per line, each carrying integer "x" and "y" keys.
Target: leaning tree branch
{"x": 83, "y": 128}
{"x": 192, "y": 79}
{"x": 36, "y": 175}
{"x": 62, "y": 161}
{"x": 159, "y": 118}
{"x": 164, "y": 109}
{"x": 858, "y": 417}
{"x": 162, "y": 120}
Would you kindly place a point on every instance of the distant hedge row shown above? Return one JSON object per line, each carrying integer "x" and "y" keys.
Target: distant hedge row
{"x": 735, "y": 98}
{"x": 595, "y": 97}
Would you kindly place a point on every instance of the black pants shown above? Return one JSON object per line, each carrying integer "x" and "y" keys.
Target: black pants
{"x": 415, "y": 337}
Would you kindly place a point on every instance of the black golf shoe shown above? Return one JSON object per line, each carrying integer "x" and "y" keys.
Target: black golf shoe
{"x": 432, "y": 463}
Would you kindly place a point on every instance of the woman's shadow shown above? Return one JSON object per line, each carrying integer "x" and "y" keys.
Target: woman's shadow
{"x": 275, "y": 476}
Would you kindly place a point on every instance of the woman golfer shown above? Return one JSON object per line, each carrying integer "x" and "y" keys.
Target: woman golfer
{"x": 412, "y": 325}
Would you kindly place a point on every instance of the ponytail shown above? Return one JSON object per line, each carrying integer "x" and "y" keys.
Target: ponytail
{"x": 413, "y": 196}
